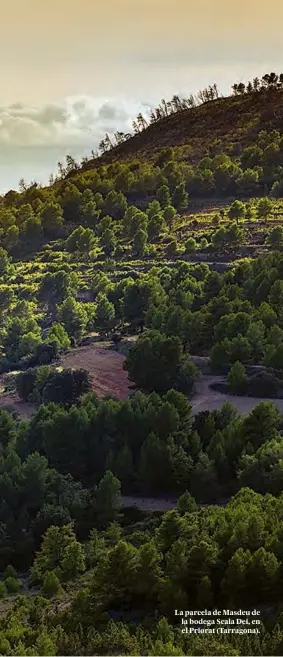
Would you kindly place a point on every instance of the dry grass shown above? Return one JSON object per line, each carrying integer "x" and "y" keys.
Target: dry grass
{"x": 105, "y": 367}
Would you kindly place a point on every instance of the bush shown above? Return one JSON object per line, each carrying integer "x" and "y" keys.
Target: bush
{"x": 119, "y": 252}
{"x": 237, "y": 378}
{"x": 154, "y": 361}
{"x": 3, "y": 590}
{"x": 51, "y": 585}
{"x": 13, "y": 585}
{"x": 5, "y": 646}
{"x": 172, "y": 248}
{"x": 46, "y": 384}
{"x": 10, "y": 572}
{"x": 44, "y": 353}
{"x": 186, "y": 504}
{"x": 25, "y": 383}
{"x": 186, "y": 378}
{"x": 190, "y": 245}
{"x": 67, "y": 386}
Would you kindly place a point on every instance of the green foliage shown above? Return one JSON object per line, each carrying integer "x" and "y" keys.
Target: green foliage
{"x": 51, "y": 585}
{"x": 186, "y": 504}
{"x": 156, "y": 225}
{"x": 180, "y": 198}
{"x": 108, "y": 497}
{"x": 153, "y": 361}
{"x": 105, "y": 313}
{"x": 3, "y": 592}
{"x": 264, "y": 208}
{"x": 108, "y": 241}
{"x": 60, "y": 553}
{"x": 74, "y": 317}
{"x": 58, "y": 334}
{"x": 163, "y": 196}
{"x": 115, "y": 205}
{"x": 13, "y": 585}
{"x": 190, "y": 245}
{"x": 46, "y": 384}
{"x": 169, "y": 215}
{"x": 150, "y": 443}
{"x": 57, "y": 286}
{"x": 66, "y": 386}
{"x": 139, "y": 242}
{"x": 237, "y": 378}
{"x": 7, "y": 433}
{"x": 186, "y": 378}
{"x": 81, "y": 240}
{"x": 9, "y": 572}
{"x": 275, "y": 237}
{"x": 236, "y": 210}
{"x": 51, "y": 217}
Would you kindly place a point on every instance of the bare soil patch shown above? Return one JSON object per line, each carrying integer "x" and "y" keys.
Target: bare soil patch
{"x": 105, "y": 367}
{"x": 149, "y": 503}
{"x": 158, "y": 503}
{"x": 13, "y": 403}
{"x": 108, "y": 378}
{"x": 207, "y": 399}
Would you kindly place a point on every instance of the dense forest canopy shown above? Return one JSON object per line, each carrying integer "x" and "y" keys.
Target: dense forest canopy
{"x": 161, "y": 255}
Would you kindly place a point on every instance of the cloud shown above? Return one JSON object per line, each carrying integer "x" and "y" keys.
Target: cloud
{"x": 34, "y": 138}
{"x": 77, "y": 121}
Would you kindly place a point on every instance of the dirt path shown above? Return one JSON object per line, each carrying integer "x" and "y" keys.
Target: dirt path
{"x": 150, "y": 503}
{"x": 108, "y": 378}
{"x": 158, "y": 503}
{"x": 207, "y": 399}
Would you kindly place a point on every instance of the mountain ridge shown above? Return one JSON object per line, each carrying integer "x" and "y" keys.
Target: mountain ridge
{"x": 216, "y": 117}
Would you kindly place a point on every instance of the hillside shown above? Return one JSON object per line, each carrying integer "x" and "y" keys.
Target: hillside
{"x": 232, "y": 120}
{"x": 141, "y": 388}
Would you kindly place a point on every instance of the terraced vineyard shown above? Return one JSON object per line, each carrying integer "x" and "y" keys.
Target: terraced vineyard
{"x": 141, "y": 386}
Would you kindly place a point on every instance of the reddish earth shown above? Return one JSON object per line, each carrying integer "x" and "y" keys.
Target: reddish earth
{"x": 105, "y": 367}
{"x": 13, "y": 402}
{"x": 108, "y": 378}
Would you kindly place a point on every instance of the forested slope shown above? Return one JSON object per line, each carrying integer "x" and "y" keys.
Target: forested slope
{"x": 115, "y": 255}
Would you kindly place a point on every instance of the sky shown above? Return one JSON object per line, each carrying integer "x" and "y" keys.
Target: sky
{"x": 75, "y": 69}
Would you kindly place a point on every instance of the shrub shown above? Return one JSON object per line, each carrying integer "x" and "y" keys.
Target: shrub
{"x": 190, "y": 245}
{"x": 13, "y": 585}
{"x": 67, "y": 386}
{"x": 237, "y": 378}
{"x": 186, "y": 378}
{"x": 10, "y": 572}
{"x": 172, "y": 248}
{"x": 5, "y": 646}
{"x": 46, "y": 384}
{"x": 51, "y": 585}
{"x": 186, "y": 504}
{"x": 45, "y": 353}
{"x": 3, "y": 590}
{"x": 25, "y": 383}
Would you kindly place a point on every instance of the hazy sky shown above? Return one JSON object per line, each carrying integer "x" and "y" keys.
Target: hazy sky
{"x": 74, "y": 69}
